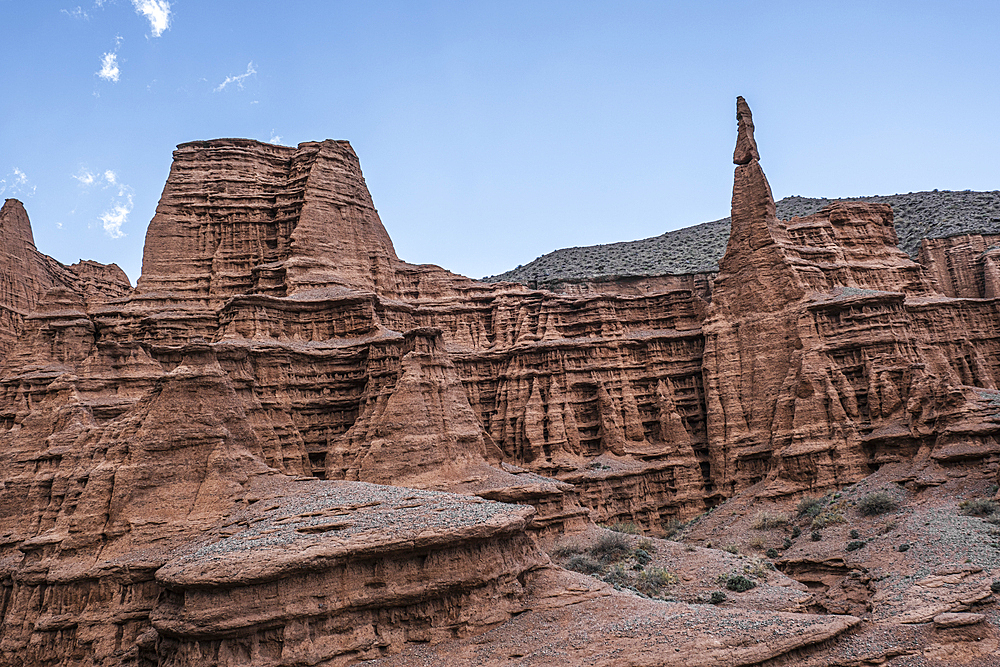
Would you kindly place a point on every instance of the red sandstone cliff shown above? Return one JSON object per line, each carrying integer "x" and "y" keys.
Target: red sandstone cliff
{"x": 191, "y": 469}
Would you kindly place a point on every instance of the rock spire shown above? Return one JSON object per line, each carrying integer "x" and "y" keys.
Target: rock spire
{"x": 746, "y": 147}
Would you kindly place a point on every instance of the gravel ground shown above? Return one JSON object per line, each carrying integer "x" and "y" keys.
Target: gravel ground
{"x": 335, "y": 519}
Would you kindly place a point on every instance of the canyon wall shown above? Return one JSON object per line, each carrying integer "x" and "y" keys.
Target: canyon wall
{"x": 185, "y": 461}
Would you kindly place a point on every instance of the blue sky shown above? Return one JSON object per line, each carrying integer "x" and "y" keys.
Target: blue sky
{"x": 492, "y": 132}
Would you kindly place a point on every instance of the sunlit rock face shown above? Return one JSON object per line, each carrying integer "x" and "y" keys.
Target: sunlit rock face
{"x": 283, "y": 406}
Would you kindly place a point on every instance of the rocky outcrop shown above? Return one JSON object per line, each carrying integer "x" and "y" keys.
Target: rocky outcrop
{"x": 823, "y": 350}
{"x": 26, "y": 275}
{"x": 287, "y": 446}
{"x": 964, "y": 266}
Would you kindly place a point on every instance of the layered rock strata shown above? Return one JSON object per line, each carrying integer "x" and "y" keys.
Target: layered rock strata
{"x": 26, "y": 275}
{"x": 186, "y": 464}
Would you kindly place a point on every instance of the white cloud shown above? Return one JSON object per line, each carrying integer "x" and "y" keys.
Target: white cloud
{"x": 113, "y": 219}
{"x": 77, "y": 13}
{"x": 109, "y": 177}
{"x": 238, "y": 79}
{"x": 158, "y": 13}
{"x": 120, "y": 204}
{"x": 19, "y": 185}
{"x": 275, "y": 139}
{"x": 109, "y": 67}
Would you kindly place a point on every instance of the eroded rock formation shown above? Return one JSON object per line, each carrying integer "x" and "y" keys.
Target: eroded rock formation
{"x": 287, "y": 446}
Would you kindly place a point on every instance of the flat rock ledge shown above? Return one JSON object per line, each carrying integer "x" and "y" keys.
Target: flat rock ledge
{"x": 316, "y": 570}
{"x": 957, "y": 620}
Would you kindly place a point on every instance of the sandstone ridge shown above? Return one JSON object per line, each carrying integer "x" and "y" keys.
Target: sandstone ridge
{"x": 286, "y": 446}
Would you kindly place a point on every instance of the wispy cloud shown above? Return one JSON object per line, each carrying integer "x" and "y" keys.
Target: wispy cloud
{"x": 85, "y": 177}
{"x": 113, "y": 219}
{"x": 120, "y": 204}
{"x": 158, "y": 13}
{"x": 109, "y": 67}
{"x": 238, "y": 79}
{"x": 77, "y": 13}
{"x": 16, "y": 183}
{"x": 275, "y": 138}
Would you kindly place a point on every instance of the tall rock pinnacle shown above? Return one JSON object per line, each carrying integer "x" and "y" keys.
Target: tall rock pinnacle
{"x": 746, "y": 147}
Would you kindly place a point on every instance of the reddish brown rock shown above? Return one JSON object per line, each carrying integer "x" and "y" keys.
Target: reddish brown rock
{"x": 964, "y": 266}
{"x": 188, "y": 468}
{"x": 26, "y": 275}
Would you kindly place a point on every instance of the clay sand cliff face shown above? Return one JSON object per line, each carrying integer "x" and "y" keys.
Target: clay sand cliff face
{"x": 287, "y": 446}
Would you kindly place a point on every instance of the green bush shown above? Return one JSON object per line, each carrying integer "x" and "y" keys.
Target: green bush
{"x": 671, "y": 527}
{"x": 610, "y": 548}
{"x": 824, "y": 519}
{"x": 739, "y": 583}
{"x": 796, "y": 531}
{"x": 641, "y": 556}
{"x": 718, "y": 597}
{"x": 651, "y": 581}
{"x": 786, "y": 544}
{"x": 879, "y": 502}
{"x": 855, "y": 534}
{"x": 567, "y": 550}
{"x": 978, "y": 507}
{"x": 810, "y": 506}
{"x": 816, "y": 536}
{"x": 854, "y": 545}
{"x": 583, "y": 565}
{"x": 771, "y": 553}
{"x": 617, "y": 576}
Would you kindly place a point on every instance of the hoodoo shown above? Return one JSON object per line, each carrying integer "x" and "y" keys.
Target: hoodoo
{"x": 286, "y": 446}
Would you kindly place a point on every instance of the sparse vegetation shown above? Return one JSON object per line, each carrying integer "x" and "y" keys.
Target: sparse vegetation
{"x": 652, "y": 580}
{"x": 796, "y": 531}
{"x": 731, "y": 548}
{"x": 611, "y": 547}
{"x": 671, "y": 527}
{"x": 583, "y": 564}
{"x": 738, "y": 583}
{"x": 810, "y": 507}
{"x": 878, "y": 502}
{"x": 567, "y": 549}
{"x": 978, "y": 507}
{"x": 718, "y": 597}
{"x": 816, "y": 536}
{"x": 771, "y": 553}
{"x": 855, "y": 534}
{"x": 697, "y": 249}
{"x": 617, "y": 576}
{"x": 854, "y": 545}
